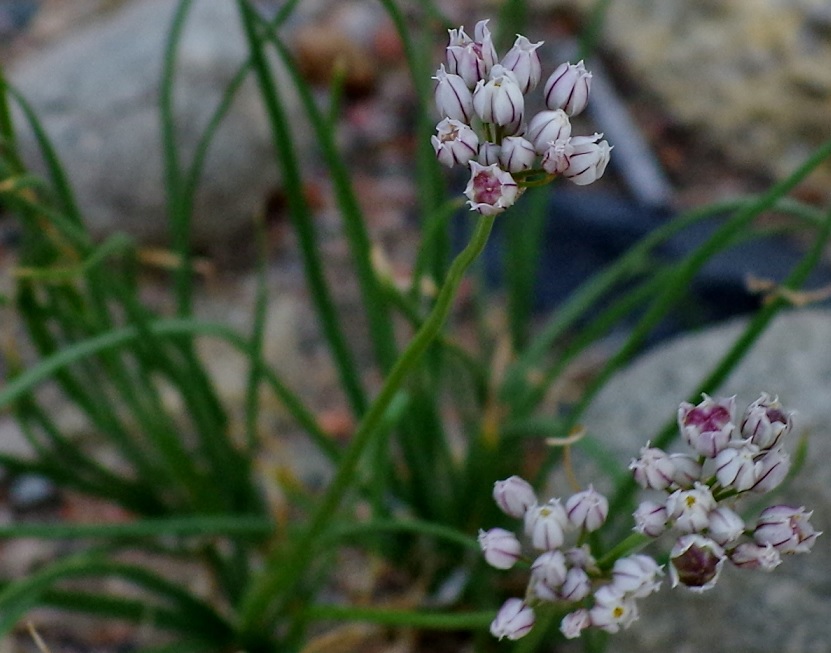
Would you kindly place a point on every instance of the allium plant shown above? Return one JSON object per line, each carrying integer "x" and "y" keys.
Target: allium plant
{"x": 698, "y": 496}
{"x": 484, "y": 125}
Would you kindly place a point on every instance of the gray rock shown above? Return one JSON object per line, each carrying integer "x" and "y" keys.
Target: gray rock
{"x": 786, "y": 610}
{"x": 96, "y": 90}
{"x": 751, "y": 77}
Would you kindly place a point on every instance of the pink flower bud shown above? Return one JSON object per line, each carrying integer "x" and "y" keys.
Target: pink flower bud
{"x": 471, "y": 59}
{"x": 568, "y": 88}
{"x": 490, "y": 190}
{"x": 514, "y": 620}
{"x": 514, "y": 496}
{"x": 549, "y": 569}
{"x": 516, "y": 154}
{"x": 707, "y": 427}
{"x": 691, "y": 508}
{"x": 650, "y": 518}
{"x": 765, "y": 423}
{"x": 499, "y": 100}
{"x": 546, "y": 525}
{"x": 654, "y": 469}
{"x": 696, "y": 562}
{"x": 612, "y": 609}
{"x": 454, "y": 142}
{"x": 725, "y": 525}
{"x": 587, "y": 509}
{"x": 574, "y": 623}
{"x": 524, "y": 62}
{"x": 588, "y": 160}
{"x": 546, "y": 127}
{"x": 453, "y": 97}
{"x": 749, "y": 555}
{"x": 500, "y": 547}
{"x": 736, "y": 466}
{"x": 773, "y": 468}
{"x": 637, "y": 575}
{"x": 786, "y": 528}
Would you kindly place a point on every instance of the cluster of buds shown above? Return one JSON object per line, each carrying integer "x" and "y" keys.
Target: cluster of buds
{"x": 482, "y": 103}
{"x": 730, "y": 459}
{"x": 564, "y": 574}
{"x": 699, "y": 495}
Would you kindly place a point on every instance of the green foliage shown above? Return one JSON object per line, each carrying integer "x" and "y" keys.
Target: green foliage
{"x": 192, "y": 488}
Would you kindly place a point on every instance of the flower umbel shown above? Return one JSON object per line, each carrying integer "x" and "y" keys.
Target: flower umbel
{"x": 487, "y": 95}
{"x": 700, "y": 490}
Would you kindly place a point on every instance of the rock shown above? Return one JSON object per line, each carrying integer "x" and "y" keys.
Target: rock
{"x": 96, "y": 90}
{"x": 752, "y": 77}
{"x": 786, "y": 610}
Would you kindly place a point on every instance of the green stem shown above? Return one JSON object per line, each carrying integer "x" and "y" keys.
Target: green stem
{"x": 284, "y": 571}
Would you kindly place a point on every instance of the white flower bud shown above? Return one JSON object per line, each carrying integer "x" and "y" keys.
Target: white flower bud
{"x": 576, "y": 586}
{"x": 786, "y": 528}
{"x": 650, "y": 518}
{"x": 707, "y": 427}
{"x": 691, "y": 508}
{"x": 454, "y": 143}
{"x": 588, "y": 160}
{"x": 749, "y": 555}
{"x": 765, "y": 423}
{"x": 637, "y": 575}
{"x": 489, "y": 154}
{"x": 654, "y": 469}
{"x": 453, "y": 97}
{"x": 490, "y": 190}
{"x": 514, "y": 620}
{"x": 546, "y": 127}
{"x": 499, "y": 100}
{"x": 549, "y": 569}
{"x": 556, "y": 159}
{"x": 725, "y": 525}
{"x": 546, "y": 525}
{"x": 581, "y": 556}
{"x": 517, "y": 154}
{"x": 736, "y": 466}
{"x": 574, "y": 623}
{"x": 500, "y": 547}
{"x": 587, "y": 509}
{"x": 568, "y": 88}
{"x": 773, "y": 468}
{"x": 687, "y": 469}
{"x": 524, "y": 62}
{"x": 514, "y": 496}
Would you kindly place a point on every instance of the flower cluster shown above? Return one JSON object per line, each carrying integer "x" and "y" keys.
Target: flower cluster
{"x": 482, "y": 103}
{"x": 729, "y": 459}
{"x": 699, "y": 491}
{"x": 563, "y": 574}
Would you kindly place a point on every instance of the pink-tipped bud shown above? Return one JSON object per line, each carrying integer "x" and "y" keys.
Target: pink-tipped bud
{"x": 765, "y": 423}
{"x": 654, "y": 469}
{"x": 471, "y": 59}
{"x": 787, "y": 528}
{"x": 709, "y": 426}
